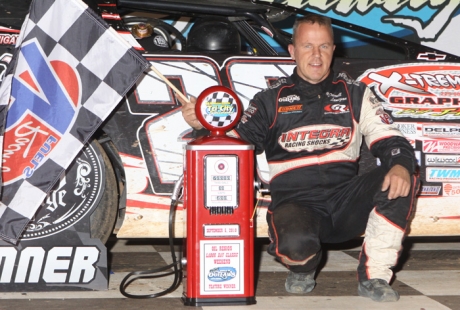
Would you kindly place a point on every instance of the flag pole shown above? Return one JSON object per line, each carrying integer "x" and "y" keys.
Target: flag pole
{"x": 174, "y": 88}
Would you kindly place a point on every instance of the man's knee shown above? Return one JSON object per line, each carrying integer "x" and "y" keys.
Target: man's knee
{"x": 297, "y": 249}
{"x": 295, "y": 234}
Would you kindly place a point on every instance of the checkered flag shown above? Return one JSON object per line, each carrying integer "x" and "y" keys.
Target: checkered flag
{"x": 220, "y": 119}
{"x": 69, "y": 71}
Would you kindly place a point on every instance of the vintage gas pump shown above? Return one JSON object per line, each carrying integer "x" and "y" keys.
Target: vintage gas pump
{"x": 218, "y": 196}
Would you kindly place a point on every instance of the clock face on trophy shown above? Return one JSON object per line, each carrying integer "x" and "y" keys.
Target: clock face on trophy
{"x": 218, "y": 109}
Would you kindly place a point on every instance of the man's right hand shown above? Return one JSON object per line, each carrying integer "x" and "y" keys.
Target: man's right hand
{"x": 188, "y": 112}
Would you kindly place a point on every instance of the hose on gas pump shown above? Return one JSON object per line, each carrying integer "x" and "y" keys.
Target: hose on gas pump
{"x": 176, "y": 265}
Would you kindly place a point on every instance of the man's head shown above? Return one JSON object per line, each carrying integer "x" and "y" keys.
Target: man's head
{"x": 312, "y": 47}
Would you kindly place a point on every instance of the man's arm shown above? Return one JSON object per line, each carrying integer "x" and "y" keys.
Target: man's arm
{"x": 388, "y": 144}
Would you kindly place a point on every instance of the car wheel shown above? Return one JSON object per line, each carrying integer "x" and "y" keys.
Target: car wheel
{"x": 86, "y": 190}
{"x": 104, "y": 215}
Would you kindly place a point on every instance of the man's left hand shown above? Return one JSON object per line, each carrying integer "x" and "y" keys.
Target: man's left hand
{"x": 397, "y": 180}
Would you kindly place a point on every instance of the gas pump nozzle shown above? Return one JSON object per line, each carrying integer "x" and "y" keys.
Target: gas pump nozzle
{"x": 177, "y": 190}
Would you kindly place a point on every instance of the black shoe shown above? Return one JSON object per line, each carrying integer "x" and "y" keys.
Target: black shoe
{"x": 377, "y": 290}
{"x": 300, "y": 283}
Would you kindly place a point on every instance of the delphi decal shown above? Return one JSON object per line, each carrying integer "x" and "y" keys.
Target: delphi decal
{"x": 430, "y": 91}
{"x": 316, "y": 137}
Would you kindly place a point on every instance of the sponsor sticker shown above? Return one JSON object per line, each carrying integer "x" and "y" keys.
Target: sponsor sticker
{"x": 290, "y": 98}
{"x": 315, "y": 137}
{"x": 8, "y": 38}
{"x": 408, "y": 129}
{"x": 430, "y": 190}
{"x": 441, "y": 130}
{"x": 442, "y": 174}
{"x": 249, "y": 112}
{"x": 417, "y": 90}
{"x": 451, "y": 189}
{"x": 435, "y": 114}
{"x": 336, "y": 108}
{"x": 5, "y": 59}
{"x": 441, "y": 146}
{"x": 290, "y": 109}
{"x": 385, "y": 118}
{"x": 412, "y": 142}
{"x": 442, "y": 160}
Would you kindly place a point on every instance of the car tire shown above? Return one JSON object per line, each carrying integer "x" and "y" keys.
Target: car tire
{"x": 104, "y": 216}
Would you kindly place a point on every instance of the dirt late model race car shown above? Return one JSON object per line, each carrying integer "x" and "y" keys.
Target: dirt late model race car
{"x": 242, "y": 45}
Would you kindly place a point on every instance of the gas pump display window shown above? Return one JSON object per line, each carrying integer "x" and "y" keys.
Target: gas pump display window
{"x": 221, "y": 179}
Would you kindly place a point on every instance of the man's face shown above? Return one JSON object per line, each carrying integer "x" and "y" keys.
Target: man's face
{"x": 312, "y": 51}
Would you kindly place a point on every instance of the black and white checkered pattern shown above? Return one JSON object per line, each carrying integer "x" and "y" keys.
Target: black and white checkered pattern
{"x": 220, "y": 121}
{"x": 339, "y": 141}
{"x": 107, "y": 67}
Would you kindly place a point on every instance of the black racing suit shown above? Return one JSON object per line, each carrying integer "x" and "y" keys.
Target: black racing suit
{"x": 311, "y": 135}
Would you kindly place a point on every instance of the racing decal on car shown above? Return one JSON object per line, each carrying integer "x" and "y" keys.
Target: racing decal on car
{"x": 432, "y": 23}
{"x": 441, "y": 146}
{"x": 315, "y": 137}
{"x": 408, "y": 129}
{"x": 451, "y": 189}
{"x": 429, "y": 190}
{"x": 428, "y": 91}
{"x": 441, "y": 130}
{"x": 442, "y": 160}
{"x": 71, "y": 199}
{"x": 4, "y": 61}
{"x": 442, "y": 174}
{"x": 431, "y": 56}
{"x": 8, "y": 36}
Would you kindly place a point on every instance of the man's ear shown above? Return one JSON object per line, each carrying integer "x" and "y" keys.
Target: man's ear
{"x": 291, "y": 51}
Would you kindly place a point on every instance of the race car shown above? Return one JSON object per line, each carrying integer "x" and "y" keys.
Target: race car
{"x": 242, "y": 45}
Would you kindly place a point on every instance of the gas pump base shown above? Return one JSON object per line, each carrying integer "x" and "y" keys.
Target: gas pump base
{"x": 201, "y": 302}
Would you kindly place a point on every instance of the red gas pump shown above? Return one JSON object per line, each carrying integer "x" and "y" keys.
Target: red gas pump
{"x": 218, "y": 196}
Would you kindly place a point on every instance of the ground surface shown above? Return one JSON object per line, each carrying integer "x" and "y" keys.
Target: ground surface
{"x": 427, "y": 277}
